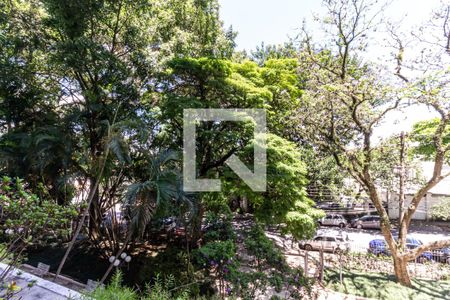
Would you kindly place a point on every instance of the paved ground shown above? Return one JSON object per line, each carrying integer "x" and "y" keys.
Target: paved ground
{"x": 35, "y": 288}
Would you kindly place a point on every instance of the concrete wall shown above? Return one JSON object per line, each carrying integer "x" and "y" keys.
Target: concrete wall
{"x": 423, "y": 212}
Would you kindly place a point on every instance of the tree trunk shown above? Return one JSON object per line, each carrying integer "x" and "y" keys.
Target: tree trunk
{"x": 197, "y": 227}
{"x": 94, "y": 214}
{"x": 401, "y": 271}
{"x": 244, "y": 204}
{"x": 401, "y": 195}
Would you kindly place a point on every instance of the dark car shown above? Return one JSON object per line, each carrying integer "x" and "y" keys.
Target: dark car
{"x": 334, "y": 206}
{"x": 442, "y": 255}
{"x": 379, "y": 247}
{"x": 412, "y": 243}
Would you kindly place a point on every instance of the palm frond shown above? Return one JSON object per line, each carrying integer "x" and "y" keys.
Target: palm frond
{"x": 119, "y": 147}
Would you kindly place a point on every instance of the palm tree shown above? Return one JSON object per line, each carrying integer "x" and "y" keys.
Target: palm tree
{"x": 162, "y": 184}
{"x": 42, "y": 156}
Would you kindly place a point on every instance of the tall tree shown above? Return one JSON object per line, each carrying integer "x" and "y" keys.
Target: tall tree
{"x": 70, "y": 68}
{"x": 215, "y": 83}
{"x": 285, "y": 200}
{"x": 346, "y": 100}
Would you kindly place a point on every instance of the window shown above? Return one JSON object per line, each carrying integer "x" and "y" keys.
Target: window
{"x": 319, "y": 238}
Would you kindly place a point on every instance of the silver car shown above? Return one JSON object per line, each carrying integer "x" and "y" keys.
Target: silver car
{"x": 372, "y": 222}
{"x": 326, "y": 243}
{"x": 333, "y": 220}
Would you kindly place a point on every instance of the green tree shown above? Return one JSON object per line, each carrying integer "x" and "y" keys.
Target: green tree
{"x": 214, "y": 83}
{"x": 161, "y": 183}
{"x": 72, "y": 69}
{"x": 325, "y": 178}
{"x": 264, "y": 52}
{"x": 285, "y": 201}
{"x": 423, "y": 134}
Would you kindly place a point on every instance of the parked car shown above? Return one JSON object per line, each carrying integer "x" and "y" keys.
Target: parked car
{"x": 442, "y": 255}
{"x": 380, "y": 247}
{"x": 323, "y": 205}
{"x": 333, "y": 220}
{"x": 334, "y": 205}
{"x": 412, "y": 243}
{"x": 364, "y": 222}
{"x": 330, "y": 205}
{"x": 326, "y": 242}
{"x": 358, "y": 206}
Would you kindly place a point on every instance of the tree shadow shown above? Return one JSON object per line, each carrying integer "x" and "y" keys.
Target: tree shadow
{"x": 379, "y": 286}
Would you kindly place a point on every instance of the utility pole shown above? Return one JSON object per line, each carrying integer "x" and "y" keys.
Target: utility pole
{"x": 401, "y": 194}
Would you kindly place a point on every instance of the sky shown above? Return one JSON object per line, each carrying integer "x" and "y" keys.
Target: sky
{"x": 268, "y": 21}
{"x": 275, "y": 21}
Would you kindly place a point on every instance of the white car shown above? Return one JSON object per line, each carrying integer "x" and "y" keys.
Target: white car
{"x": 333, "y": 220}
{"x": 326, "y": 243}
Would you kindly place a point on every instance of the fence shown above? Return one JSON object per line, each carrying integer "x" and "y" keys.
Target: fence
{"x": 430, "y": 265}
{"x": 372, "y": 256}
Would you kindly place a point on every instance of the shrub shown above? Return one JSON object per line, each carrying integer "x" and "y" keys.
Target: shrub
{"x": 160, "y": 290}
{"x": 217, "y": 257}
{"x": 263, "y": 249}
{"x": 115, "y": 290}
{"x": 441, "y": 211}
{"x": 218, "y": 260}
{"x": 26, "y": 220}
{"x": 218, "y": 228}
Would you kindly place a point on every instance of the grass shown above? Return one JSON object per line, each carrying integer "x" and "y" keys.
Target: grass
{"x": 382, "y": 286}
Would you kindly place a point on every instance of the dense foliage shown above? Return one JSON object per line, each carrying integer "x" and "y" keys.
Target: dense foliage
{"x": 26, "y": 220}
{"x": 92, "y": 95}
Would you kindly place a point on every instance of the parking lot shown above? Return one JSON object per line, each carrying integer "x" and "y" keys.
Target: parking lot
{"x": 359, "y": 238}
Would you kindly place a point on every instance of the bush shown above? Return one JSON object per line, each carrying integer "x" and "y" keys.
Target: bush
{"x": 441, "y": 211}
{"x": 160, "y": 290}
{"x": 264, "y": 250}
{"x": 115, "y": 290}
{"x": 172, "y": 262}
{"x": 217, "y": 257}
{"x": 218, "y": 228}
{"x": 27, "y": 220}
{"x": 165, "y": 290}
